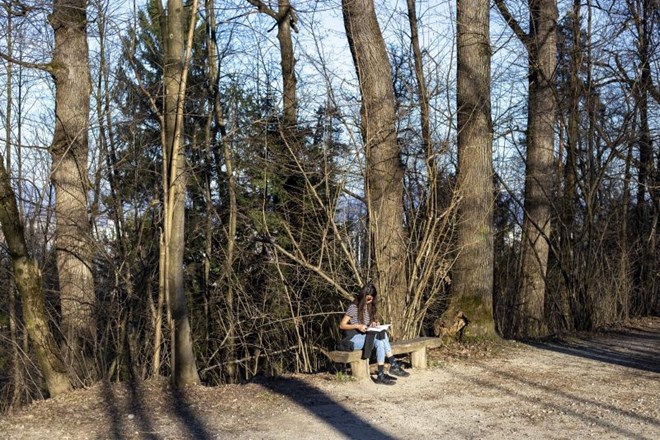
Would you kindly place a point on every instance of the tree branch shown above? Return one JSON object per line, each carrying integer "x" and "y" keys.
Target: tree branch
{"x": 261, "y": 7}
{"x": 512, "y": 22}
{"x": 286, "y": 12}
{"x": 45, "y": 67}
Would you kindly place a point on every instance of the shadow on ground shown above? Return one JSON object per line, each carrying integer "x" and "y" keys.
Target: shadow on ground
{"x": 325, "y": 408}
{"x": 129, "y": 414}
{"x": 630, "y": 347}
{"x": 141, "y": 417}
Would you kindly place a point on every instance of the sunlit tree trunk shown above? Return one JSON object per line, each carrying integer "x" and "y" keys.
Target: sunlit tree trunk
{"x": 70, "y": 70}
{"x": 286, "y": 19}
{"x": 29, "y": 283}
{"x": 472, "y": 284}
{"x": 384, "y": 172}
{"x": 175, "y": 71}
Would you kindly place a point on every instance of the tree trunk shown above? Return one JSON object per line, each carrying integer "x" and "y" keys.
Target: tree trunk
{"x": 29, "y": 283}
{"x": 214, "y": 78}
{"x": 472, "y": 281}
{"x": 384, "y": 172}
{"x": 289, "y": 149}
{"x": 177, "y": 55}
{"x": 424, "y": 110}
{"x": 286, "y": 19}
{"x": 528, "y": 315}
{"x": 542, "y": 55}
{"x": 15, "y": 375}
{"x": 644, "y": 303}
{"x": 567, "y": 189}
{"x": 70, "y": 70}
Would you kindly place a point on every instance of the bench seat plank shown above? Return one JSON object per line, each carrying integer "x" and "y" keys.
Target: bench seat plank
{"x": 410, "y": 345}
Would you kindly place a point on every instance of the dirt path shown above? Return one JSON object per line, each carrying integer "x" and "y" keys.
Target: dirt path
{"x": 604, "y": 386}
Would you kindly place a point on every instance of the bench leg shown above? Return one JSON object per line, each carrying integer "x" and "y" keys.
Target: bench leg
{"x": 360, "y": 369}
{"x": 418, "y": 358}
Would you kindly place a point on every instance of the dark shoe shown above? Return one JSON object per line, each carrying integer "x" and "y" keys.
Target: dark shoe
{"x": 396, "y": 370}
{"x": 382, "y": 379}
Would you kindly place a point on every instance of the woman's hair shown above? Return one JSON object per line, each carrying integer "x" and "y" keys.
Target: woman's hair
{"x": 361, "y": 301}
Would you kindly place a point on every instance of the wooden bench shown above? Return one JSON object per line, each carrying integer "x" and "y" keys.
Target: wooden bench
{"x": 360, "y": 367}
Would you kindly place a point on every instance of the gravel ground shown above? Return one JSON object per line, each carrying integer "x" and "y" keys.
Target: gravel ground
{"x": 603, "y": 385}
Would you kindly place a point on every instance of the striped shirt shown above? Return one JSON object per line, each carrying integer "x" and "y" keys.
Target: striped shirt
{"x": 352, "y": 311}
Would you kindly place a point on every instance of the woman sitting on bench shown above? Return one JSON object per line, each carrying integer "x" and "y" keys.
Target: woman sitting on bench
{"x": 355, "y": 323}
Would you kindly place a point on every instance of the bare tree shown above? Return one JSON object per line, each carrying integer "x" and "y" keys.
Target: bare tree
{"x": 541, "y": 45}
{"x": 289, "y": 149}
{"x": 286, "y": 19}
{"x": 472, "y": 283}
{"x": 424, "y": 106}
{"x": 568, "y": 170}
{"x": 228, "y": 155}
{"x": 175, "y": 72}
{"x": 70, "y": 70}
{"x": 384, "y": 173}
{"x": 644, "y": 15}
{"x": 118, "y": 323}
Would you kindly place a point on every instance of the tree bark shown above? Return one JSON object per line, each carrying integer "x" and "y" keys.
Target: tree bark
{"x": 70, "y": 70}
{"x": 473, "y": 276}
{"x": 384, "y": 172}
{"x": 541, "y": 43}
{"x": 29, "y": 283}
{"x": 542, "y": 55}
{"x": 175, "y": 71}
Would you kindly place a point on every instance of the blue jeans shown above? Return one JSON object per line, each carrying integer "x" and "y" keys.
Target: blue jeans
{"x": 382, "y": 346}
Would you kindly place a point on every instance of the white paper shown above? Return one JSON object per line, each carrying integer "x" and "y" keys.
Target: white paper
{"x": 378, "y": 328}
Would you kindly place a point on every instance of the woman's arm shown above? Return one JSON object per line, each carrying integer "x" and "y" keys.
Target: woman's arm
{"x": 344, "y": 325}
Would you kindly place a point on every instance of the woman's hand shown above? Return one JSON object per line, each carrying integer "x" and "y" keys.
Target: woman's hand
{"x": 374, "y": 324}
{"x": 361, "y": 327}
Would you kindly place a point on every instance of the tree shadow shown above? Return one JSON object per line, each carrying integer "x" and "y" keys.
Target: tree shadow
{"x": 119, "y": 413}
{"x": 130, "y": 413}
{"x": 331, "y": 412}
{"x": 630, "y": 347}
{"x": 518, "y": 382}
{"x": 180, "y": 407}
{"x": 112, "y": 408}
